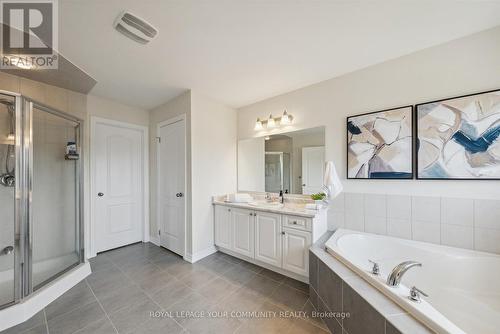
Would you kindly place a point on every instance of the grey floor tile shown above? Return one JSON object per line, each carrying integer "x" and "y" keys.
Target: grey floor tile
{"x": 40, "y": 329}
{"x": 242, "y": 301}
{"x": 102, "y": 326}
{"x": 214, "y": 321}
{"x": 76, "y": 297}
{"x": 261, "y": 285}
{"x": 304, "y": 287}
{"x": 273, "y": 322}
{"x": 217, "y": 289}
{"x": 300, "y": 326}
{"x": 251, "y": 266}
{"x": 189, "y": 306}
{"x": 99, "y": 263}
{"x": 120, "y": 297}
{"x": 289, "y": 298}
{"x": 238, "y": 275}
{"x": 127, "y": 320}
{"x": 105, "y": 280}
{"x": 312, "y": 315}
{"x": 173, "y": 292}
{"x": 154, "y": 282}
{"x": 197, "y": 279}
{"x": 182, "y": 268}
{"x": 76, "y": 319}
{"x": 159, "y": 325}
{"x": 272, "y": 275}
{"x": 34, "y": 321}
{"x": 216, "y": 265}
{"x": 229, "y": 258}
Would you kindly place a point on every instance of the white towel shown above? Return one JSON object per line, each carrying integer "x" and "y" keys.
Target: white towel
{"x": 331, "y": 180}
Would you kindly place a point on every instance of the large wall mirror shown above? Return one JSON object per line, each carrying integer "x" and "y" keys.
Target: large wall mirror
{"x": 292, "y": 162}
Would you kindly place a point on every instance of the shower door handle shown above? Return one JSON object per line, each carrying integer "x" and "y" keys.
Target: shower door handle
{"x": 7, "y": 250}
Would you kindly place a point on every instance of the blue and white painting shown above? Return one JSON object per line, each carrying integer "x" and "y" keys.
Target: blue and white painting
{"x": 459, "y": 138}
{"x": 379, "y": 145}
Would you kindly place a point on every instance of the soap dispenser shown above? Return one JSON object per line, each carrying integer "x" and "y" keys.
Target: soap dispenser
{"x": 282, "y": 198}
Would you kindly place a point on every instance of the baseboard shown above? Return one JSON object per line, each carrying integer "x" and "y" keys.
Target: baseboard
{"x": 154, "y": 240}
{"x": 200, "y": 255}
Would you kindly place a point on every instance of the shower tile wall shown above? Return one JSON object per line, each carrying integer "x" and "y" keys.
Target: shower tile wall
{"x": 456, "y": 222}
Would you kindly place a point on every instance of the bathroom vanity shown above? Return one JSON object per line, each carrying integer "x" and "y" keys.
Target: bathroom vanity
{"x": 270, "y": 235}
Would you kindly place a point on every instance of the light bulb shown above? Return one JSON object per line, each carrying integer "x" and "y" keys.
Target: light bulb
{"x": 11, "y": 136}
{"x": 270, "y": 122}
{"x": 258, "y": 125}
{"x": 285, "y": 119}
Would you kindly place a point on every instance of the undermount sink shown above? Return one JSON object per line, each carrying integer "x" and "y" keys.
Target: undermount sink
{"x": 274, "y": 205}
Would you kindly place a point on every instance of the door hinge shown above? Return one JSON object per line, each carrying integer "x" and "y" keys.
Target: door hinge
{"x": 159, "y": 232}
{"x": 159, "y": 139}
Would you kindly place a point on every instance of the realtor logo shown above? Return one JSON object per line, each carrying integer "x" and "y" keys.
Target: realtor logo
{"x": 29, "y": 34}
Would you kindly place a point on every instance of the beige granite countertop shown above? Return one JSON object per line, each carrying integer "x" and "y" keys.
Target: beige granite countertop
{"x": 293, "y": 208}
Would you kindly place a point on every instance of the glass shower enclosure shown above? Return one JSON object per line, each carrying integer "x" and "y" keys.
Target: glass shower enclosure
{"x": 40, "y": 196}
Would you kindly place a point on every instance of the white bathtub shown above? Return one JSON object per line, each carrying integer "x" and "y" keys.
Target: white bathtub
{"x": 463, "y": 286}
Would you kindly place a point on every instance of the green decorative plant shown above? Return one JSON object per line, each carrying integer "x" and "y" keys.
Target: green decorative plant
{"x": 318, "y": 196}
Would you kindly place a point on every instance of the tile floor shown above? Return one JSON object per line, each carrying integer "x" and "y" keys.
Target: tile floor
{"x": 130, "y": 284}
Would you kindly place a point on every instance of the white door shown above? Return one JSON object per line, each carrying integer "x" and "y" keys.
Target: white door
{"x": 243, "y": 231}
{"x": 171, "y": 185}
{"x": 223, "y": 227}
{"x": 268, "y": 238}
{"x": 117, "y": 184}
{"x": 296, "y": 251}
{"x": 313, "y": 166}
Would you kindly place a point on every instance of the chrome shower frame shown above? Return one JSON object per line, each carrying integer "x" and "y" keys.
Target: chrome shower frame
{"x": 23, "y": 225}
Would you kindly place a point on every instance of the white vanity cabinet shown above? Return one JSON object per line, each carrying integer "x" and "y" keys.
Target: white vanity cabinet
{"x": 223, "y": 227}
{"x": 275, "y": 240}
{"x": 242, "y": 222}
{"x": 296, "y": 245}
{"x": 268, "y": 238}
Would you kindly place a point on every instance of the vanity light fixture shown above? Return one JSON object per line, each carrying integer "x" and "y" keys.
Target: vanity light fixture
{"x": 273, "y": 122}
{"x": 258, "y": 125}
{"x": 285, "y": 119}
{"x": 11, "y": 137}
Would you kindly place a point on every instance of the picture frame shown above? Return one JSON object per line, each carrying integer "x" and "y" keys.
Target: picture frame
{"x": 453, "y": 137}
{"x": 380, "y": 144}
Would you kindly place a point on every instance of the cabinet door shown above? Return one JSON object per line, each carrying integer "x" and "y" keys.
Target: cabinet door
{"x": 268, "y": 238}
{"x": 242, "y": 222}
{"x": 223, "y": 227}
{"x": 296, "y": 245}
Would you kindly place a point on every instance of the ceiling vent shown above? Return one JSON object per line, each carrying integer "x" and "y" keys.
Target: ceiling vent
{"x": 135, "y": 28}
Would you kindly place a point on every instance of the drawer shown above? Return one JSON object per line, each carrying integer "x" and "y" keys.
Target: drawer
{"x": 297, "y": 222}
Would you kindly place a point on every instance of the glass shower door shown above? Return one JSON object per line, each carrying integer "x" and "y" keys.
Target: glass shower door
{"x": 54, "y": 214}
{"x": 8, "y": 226}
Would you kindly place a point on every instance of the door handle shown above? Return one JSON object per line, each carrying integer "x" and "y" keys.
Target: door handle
{"x": 7, "y": 250}
{"x": 100, "y": 194}
{"x": 179, "y": 195}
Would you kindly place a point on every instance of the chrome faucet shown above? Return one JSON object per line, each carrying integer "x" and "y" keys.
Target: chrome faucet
{"x": 397, "y": 273}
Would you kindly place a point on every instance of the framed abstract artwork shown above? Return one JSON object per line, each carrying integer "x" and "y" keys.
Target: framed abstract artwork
{"x": 380, "y": 144}
{"x": 459, "y": 138}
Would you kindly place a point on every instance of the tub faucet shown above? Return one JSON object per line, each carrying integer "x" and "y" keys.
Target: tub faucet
{"x": 397, "y": 273}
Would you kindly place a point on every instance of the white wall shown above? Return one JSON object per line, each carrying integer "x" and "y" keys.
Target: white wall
{"x": 467, "y": 65}
{"x": 213, "y": 154}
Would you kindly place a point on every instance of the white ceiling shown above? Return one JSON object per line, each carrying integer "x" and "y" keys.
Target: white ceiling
{"x": 240, "y": 52}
